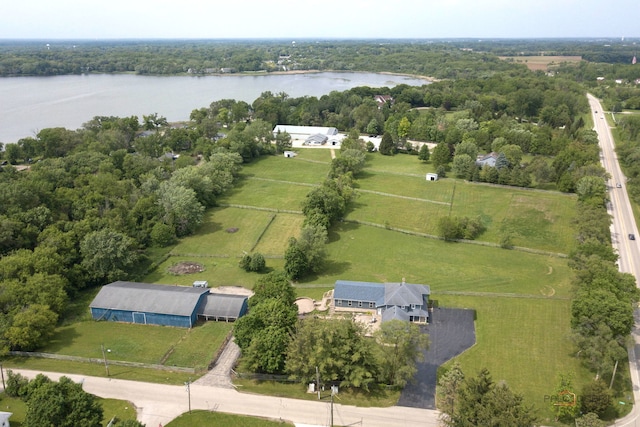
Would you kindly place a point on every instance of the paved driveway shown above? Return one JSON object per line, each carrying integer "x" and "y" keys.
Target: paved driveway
{"x": 451, "y": 332}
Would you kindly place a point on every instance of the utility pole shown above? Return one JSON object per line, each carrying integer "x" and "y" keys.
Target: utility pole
{"x": 104, "y": 357}
{"x": 613, "y": 376}
{"x": 318, "y": 381}
{"x": 188, "y": 384}
{"x": 2, "y": 372}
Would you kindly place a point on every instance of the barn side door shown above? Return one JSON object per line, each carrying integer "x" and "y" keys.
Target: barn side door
{"x": 139, "y": 318}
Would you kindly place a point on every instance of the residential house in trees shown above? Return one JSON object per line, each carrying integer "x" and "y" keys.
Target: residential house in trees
{"x": 383, "y": 100}
{"x": 487, "y": 159}
{"x": 403, "y": 301}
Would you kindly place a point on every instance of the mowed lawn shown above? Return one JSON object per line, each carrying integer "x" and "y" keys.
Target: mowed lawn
{"x": 524, "y": 342}
{"x": 150, "y": 344}
{"x": 360, "y": 252}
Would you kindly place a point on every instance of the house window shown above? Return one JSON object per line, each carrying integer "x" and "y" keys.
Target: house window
{"x": 413, "y": 306}
{"x": 349, "y": 303}
{"x": 339, "y": 302}
{"x": 371, "y": 305}
{"x": 359, "y": 303}
{"x": 404, "y": 307}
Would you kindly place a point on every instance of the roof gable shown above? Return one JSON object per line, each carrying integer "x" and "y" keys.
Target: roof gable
{"x": 149, "y": 298}
{"x": 404, "y": 294}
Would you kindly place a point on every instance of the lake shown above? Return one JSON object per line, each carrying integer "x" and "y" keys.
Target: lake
{"x": 29, "y": 104}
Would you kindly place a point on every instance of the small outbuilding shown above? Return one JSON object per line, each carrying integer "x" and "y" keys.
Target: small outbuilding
{"x": 432, "y": 177}
{"x": 290, "y": 154}
{"x": 223, "y": 307}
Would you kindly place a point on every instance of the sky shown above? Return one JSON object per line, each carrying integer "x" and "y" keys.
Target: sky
{"x": 342, "y": 19}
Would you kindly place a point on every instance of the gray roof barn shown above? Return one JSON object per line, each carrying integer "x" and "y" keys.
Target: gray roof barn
{"x": 168, "y": 305}
{"x": 147, "y": 297}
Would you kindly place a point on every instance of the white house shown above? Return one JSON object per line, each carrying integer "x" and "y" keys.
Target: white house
{"x": 487, "y": 159}
{"x": 304, "y": 132}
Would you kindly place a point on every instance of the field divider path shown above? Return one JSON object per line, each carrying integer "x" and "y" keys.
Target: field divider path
{"x": 471, "y": 242}
{"x": 281, "y": 181}
{"x": 417, "y": 199}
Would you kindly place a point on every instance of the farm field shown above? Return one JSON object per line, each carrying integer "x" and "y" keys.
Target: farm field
{"x": 541, "y": 62}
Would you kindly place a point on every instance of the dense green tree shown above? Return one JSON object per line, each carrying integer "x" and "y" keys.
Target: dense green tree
{"x": 589, "y": 420}
{"x": 447, "y": 391}
{"x": 337, "y": 348}
{"x": 180, "y": 207}
{"x": 591, "y": 189}
{"x": 273, "y": 285}
{"x": 62, "y": 404}
{"x": 283, "y": 142}
{"x": 424, "y": 154}
{"x": 596, "y": 398}
{"x": 481, "y": 402}
{"x": 31, "y": 327}
{"x": 564, "y": 402}
{"x": 463, "y": 166}
{"x": 402, "y": 345}
{"x": 441, "y": 156}
{"x": 595, "y": 306}
{"x": 108, "y": 254}
{"x": 387, "y": 147}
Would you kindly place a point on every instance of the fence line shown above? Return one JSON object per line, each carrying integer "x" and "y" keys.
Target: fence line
{"x": 101, "y": 361}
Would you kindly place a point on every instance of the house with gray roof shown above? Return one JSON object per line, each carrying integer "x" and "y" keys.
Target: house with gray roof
{"x": 166, "y": 305}
{"x": 402, "y": 301}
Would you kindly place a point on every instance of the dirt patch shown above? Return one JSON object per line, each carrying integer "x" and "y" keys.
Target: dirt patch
{"x": 186, "y": 267}
{"x": 305, "y": 305}
{"x": 231, "y": 229}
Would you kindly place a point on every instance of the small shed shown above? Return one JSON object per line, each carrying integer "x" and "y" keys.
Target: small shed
{"x": 147, "y": 303}
{"x": 290, "y": 154}
{"x": 223, "y": 307}
{"x": 432, "y": 177}
{"x": 4, "y": 418}
{"x": 200, "y": 284}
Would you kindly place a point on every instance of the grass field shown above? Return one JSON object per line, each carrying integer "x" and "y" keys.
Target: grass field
{"x": 521, "y": 298}
{"x": 541, "y": 62}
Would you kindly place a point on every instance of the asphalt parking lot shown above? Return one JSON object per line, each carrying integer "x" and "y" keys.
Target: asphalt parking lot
{"x": 451, "y": 332}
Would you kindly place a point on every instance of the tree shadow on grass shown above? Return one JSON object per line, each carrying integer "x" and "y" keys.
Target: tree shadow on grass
{"x": 335, "y": 232}
{"x": 61, "y": 339}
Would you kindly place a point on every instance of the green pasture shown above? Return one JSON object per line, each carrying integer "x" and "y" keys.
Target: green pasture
{"x": 524, "y": 342}
{"x": 275, "y": 239}
{"x": 225, "y": 232}
{"x": 182, "y": 347}
{"x": 360, "y": 252}
{"x": 217, "y": 271}
{"x": 406, "y": 186}
{"x": 267, "y": 194}
{"x": 198, "y": 345}
{"x": 308, "y": 167}
{"x": 399, "y": 164}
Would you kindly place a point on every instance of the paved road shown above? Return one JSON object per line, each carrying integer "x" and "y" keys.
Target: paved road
{"x": 158, "y": 403}
{"x": 623, "y": 224}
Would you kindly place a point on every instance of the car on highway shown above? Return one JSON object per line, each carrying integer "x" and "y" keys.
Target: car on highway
{"x": 632, "y": 236}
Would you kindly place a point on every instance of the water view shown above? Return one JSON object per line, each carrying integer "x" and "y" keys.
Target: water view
{"x": 29, "y": 104}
